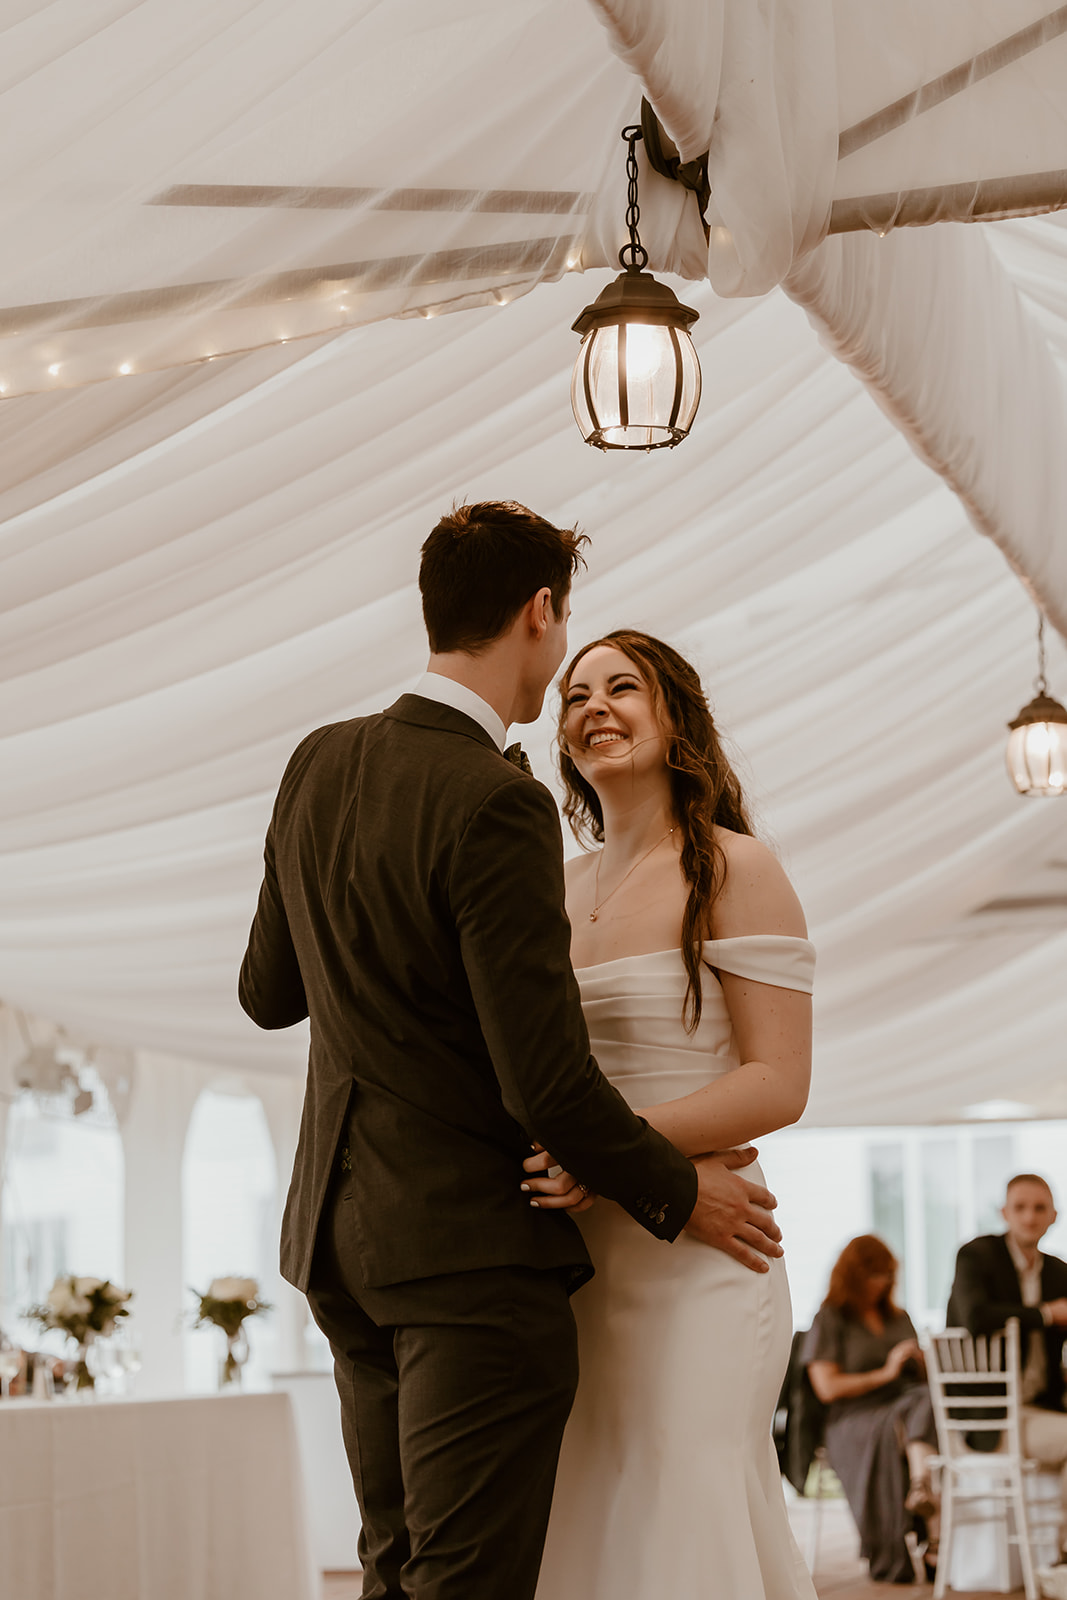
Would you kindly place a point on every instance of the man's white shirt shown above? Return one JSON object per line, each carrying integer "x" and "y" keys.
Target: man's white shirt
{"x": 447, "y": 692}
{"x": 1035, "y": 1362}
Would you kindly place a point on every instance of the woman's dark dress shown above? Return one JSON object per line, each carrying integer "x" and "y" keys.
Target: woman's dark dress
{"x": 863, "y": 1435}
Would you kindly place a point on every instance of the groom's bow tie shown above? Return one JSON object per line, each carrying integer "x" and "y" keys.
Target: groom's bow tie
{"x": 518, "y": 757}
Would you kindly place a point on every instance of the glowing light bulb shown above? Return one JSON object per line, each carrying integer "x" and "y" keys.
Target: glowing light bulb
{"x": 53, "y": 372}
{"x": 646, "y": 348}
{"x": 125, "y": 369}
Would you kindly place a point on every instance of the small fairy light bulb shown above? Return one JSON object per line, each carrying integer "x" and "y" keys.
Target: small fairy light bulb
{"x": 125, "y": 369}
{"x": 53, "y": 371}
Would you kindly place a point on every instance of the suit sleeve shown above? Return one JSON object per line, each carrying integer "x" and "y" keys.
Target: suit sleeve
{"x": 270, "y": 987}
{"x": 506, "y": 893}
{"x": 973, "y": 1300}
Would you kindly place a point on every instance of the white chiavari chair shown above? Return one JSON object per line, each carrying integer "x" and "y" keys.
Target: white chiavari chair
{"x": 975, "y": 1388}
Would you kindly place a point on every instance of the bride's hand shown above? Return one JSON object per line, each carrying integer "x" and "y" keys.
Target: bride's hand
{"x": 550, "y": 1188}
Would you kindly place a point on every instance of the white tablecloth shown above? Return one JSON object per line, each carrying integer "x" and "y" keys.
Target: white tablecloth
{"x": 189, "y": 1499}
{"x": 333, "y": 1515}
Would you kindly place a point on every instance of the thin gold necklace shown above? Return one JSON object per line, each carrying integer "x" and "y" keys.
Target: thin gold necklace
{"x": 598, "y": 904}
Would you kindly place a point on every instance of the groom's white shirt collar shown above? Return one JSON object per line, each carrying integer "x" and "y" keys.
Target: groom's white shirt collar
{"x": 447, "y": 692}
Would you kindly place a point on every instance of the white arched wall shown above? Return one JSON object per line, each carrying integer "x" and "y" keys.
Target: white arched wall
{"x": 153, "y": 1132}
{"x": 164, "y": 1095}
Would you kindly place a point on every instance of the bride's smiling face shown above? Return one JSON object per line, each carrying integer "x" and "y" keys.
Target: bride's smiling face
{"x": 612, "y": 721}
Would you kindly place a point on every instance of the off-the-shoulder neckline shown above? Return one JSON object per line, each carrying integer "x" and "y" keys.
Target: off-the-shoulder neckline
{"x": 737, "y": 938}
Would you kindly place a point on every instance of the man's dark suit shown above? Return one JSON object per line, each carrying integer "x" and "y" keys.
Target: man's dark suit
{"x": 986, "y": 1292}
{"x": 412, "y": 904}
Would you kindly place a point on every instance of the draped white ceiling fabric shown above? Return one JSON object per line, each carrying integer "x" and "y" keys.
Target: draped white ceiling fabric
{"x": 201, "y": 560}
{"x": 823, "y": 117}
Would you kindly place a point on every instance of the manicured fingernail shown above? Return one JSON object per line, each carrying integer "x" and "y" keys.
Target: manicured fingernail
{"x": 525, "y": 1187}
{"x": 536, "y": 1204}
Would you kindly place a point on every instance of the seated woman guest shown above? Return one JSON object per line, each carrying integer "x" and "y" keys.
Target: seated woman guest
{"x": 864, "y": 1362}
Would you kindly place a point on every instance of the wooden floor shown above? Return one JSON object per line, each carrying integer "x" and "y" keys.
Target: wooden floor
{"x": 839, "y": 1573}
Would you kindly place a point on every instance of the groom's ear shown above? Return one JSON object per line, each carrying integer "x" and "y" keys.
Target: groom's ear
{"x": 539, "y": 613}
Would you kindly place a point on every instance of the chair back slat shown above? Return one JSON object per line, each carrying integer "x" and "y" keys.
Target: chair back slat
{"x": 975, "y": 1387}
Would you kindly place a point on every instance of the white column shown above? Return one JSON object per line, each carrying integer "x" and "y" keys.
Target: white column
{"x": 161, "y": 1103}
{"x": 282, "y": 1099}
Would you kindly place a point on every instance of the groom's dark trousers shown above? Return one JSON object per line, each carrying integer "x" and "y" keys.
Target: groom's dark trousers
{"x": 412, "y": 905}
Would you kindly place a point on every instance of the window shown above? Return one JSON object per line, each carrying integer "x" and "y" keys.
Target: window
{"x": 938, "y": 1166}
{"x": 63, "y": 1203}
{"x": 228, "y": 1222}
{"x": 994, "y": 1164}
{"x": 887, "y": 1195}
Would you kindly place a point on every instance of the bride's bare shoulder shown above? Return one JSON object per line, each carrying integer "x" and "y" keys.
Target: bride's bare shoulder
{"x": 580, "y": 867}
{"x": 756, "y": 896}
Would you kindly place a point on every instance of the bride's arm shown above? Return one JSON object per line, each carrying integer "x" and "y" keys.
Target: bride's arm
{"x": 772, "y": 1026}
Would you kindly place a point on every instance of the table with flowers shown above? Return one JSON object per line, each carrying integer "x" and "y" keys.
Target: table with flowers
{"x": 184, "y": 1499}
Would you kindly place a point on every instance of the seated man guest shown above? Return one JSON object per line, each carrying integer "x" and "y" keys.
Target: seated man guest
{"x": 1002, "y": 1275}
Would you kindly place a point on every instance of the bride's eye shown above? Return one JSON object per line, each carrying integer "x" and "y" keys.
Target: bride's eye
{"x": 616, "y": 687}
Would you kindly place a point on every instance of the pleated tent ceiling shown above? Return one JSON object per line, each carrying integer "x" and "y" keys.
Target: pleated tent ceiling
{"x": 261, "y": 212}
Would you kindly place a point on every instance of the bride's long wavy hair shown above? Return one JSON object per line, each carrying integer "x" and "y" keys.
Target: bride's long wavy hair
{"x": 705, "y": 791}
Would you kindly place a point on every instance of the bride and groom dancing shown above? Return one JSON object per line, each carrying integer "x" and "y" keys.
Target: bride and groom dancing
{"x": 484, "y": 1071}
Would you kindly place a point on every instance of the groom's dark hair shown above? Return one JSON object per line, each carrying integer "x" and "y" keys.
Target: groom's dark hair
{"x": 482, "y": 563}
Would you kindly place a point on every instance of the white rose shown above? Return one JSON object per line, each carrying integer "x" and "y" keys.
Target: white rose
{"x": 242, "y": 1289}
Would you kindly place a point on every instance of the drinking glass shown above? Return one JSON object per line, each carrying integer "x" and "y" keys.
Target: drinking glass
{"x": 126, "y": 1350}
{"x": 10, "y": 1364}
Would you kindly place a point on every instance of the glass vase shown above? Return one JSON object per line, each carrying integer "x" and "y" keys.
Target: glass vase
{"x": 231, "y": 1365}
{"x": 79, "y": 1380}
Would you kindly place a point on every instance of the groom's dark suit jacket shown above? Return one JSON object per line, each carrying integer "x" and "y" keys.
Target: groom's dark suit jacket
{"x": 412, "y": 904}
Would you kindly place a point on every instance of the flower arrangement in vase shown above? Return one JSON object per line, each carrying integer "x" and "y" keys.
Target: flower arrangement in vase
{"x": 227, "y": 1304}
{"x": 84, "y": 1309}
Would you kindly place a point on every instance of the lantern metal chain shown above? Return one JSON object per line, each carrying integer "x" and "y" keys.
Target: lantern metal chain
{"x": 1041, "y": 682}
{"x": 632, "y": 256}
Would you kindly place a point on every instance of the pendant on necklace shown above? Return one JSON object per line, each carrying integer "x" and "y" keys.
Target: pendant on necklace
{"x": 592, "y": 916}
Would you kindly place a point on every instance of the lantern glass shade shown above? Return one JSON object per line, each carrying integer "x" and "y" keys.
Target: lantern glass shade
{"x": 1037, "y": 748}
{"x": 636, "y": 383}
{"x": 636, "y": 386}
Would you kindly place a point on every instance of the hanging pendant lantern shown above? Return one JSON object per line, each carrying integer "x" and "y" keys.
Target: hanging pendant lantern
{"x": 636, "y": 383}
{"x": 1037, "y": 744}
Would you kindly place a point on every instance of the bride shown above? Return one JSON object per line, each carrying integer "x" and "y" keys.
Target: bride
{"x": 689, "y": 946}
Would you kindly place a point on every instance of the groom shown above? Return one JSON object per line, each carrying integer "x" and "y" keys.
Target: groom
{"x": 412, "y": 904}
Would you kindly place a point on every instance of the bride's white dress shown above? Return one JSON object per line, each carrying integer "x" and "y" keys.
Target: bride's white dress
{"x": 668, "y": 1483}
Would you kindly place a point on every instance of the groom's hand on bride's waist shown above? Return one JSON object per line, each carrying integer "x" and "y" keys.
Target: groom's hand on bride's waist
{"x": 732, "y": 1214}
